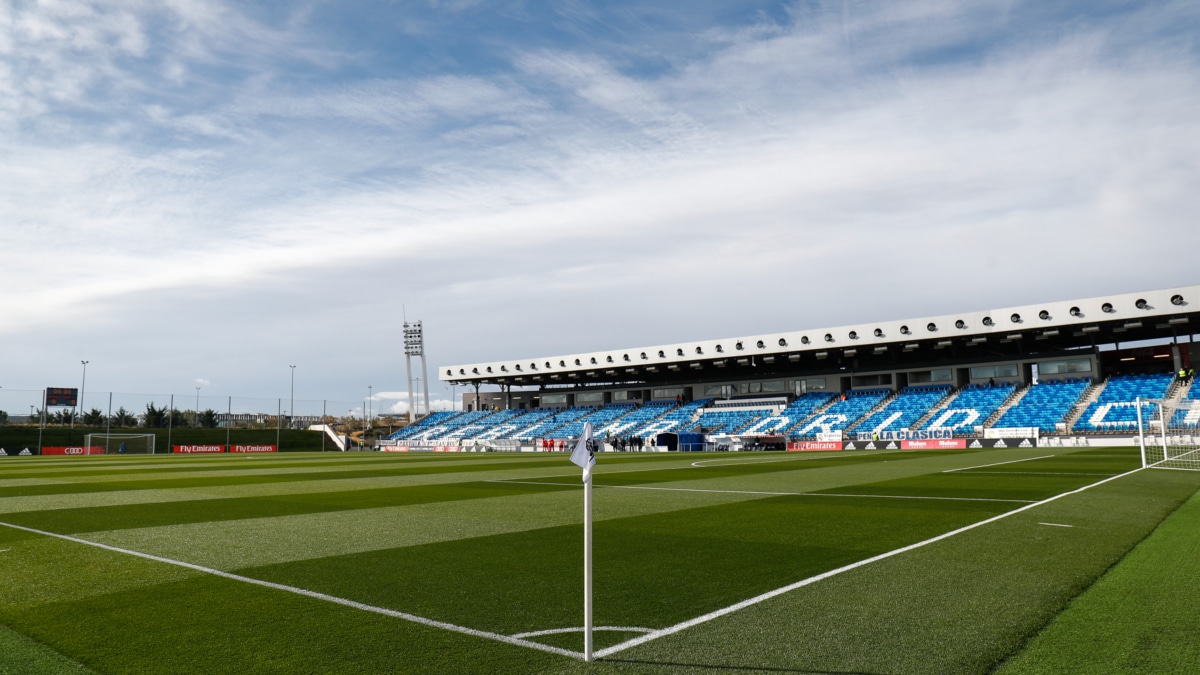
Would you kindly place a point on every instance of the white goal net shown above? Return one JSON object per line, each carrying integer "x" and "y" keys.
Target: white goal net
{"x": 1169, "y": 433}
{"x": 122, "y": 444}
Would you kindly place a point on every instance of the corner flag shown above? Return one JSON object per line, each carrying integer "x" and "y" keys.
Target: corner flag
{"x": 584, "y": 455}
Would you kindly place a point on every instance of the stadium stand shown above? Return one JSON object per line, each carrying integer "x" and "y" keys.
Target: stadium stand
{"x": 677, "y": 420}
{"x": 797, "y": 411}
{"x": 903, "y": 411}
{"x": 558, "y": 417}
{"x": 637, "y": 419}
{"x": 971, "y": 408}
{"x": 425, "y": 424}
{"x": 841, "y": 415}
{"x": 729, "y": 421}
{"x": 1045, "y": 405}
{"x": 599, "y": 417}
{"x": 1115, "y": 410}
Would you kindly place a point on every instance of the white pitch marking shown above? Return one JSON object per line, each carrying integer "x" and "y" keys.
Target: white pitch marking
{"x": 1045, "y": 473}
{"x": 5, "y": 550}
{"x": 1056, "y": 525}
{"x": 774, "y": 494}
{"x": 312, "y": 594}
{"x": 558, "y": 631}
{"x": 754, "y": 460}
{"x": 671, "y": 630}
{"x": 1014, "y": 461}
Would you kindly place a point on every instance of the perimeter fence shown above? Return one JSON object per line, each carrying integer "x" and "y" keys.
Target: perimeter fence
{"x": 188, "y": 423}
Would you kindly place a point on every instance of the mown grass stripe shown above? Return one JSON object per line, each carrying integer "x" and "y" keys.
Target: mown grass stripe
{"x": 684, "y": 625}
{"x": 769, "y": 494}
{"x": 310, "y": 594}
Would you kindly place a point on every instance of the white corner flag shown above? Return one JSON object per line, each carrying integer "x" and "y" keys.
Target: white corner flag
{"x": 584, "y": 456}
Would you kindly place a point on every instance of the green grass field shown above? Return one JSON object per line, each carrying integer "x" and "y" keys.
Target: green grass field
{"x": 894, "y": 562}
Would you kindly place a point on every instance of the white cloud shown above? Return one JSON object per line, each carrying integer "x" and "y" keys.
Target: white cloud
{"x": 794, "y": 175}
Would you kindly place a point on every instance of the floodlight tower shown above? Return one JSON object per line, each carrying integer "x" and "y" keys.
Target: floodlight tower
{"x": 414, "y": 345}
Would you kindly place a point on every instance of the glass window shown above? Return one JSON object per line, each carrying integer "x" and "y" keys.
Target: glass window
{"x": 810, "y": 384}
{"x": 668, "y": 393}
{"x": 1065, "y": 366}
{"x": 620, "y": 396}
{"x": 778, "y": 386}
{"x": 554, "y": 399}
{"x": 589, "y": 397}
{"x": 713, "y": 390}
{"x": 989, "y": 372}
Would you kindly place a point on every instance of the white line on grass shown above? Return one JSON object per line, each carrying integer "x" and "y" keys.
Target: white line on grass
{"x": 559, "y": 631}
{"x": 1056, "y": 525}
{"x": 671, "y": 630}
{"x": 512, "y": 640}
{"x": 1014, "y": 461}
{"x": 755, "y": 460}
{"x": 1043, "y": 473}
{"x": 770, "y": 494}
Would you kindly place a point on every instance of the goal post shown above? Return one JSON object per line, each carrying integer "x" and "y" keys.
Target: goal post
{"x": 122, "y": 444}
{"x": 1169, "y": 433}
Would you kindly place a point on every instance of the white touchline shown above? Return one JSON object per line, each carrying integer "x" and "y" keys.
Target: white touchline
{"x": 1014, "y": 461}
{"x": 671, "y": 630}
{"x": 1043, "y": 473}
{"x": 773, "y": 494}
{"x": 558, "y": 631}
{"x": 1056, "y": 525}
{"x": 312, "y": 594}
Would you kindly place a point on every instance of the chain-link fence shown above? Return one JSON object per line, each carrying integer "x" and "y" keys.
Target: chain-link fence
{"x": 189, "y": 423}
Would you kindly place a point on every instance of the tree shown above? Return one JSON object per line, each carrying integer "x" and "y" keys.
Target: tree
{"x": 93, "y": 418}
{"x": 3, "y": 418}
{"x": 208, "y": 419}
{"x": 155, "y": 417}
{"x": 124, "y": 418}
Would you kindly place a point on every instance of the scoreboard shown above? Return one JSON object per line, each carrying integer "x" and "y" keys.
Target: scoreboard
{"x": 61, "y": 397}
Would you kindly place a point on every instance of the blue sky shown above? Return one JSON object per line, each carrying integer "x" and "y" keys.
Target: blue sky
{"x": 206, "y": 192}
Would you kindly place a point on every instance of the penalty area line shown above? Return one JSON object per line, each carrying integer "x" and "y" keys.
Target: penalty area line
{"x": 413, "y": 618}
{"x": 671, "y": 630}
{"x": 1014, "y": 461}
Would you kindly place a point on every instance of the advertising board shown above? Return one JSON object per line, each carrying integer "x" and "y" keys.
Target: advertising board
{"x": 813, "y": 446}
{"x": 197, "y": 449}
{"x": 253, "y": 448}
{"x": 935, "y": 444}
{"x": 73, "y": 450}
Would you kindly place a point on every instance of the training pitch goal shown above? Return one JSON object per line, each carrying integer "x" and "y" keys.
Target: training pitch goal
{"x": 1168, "y": 432}
{"x": 122, "y": 444}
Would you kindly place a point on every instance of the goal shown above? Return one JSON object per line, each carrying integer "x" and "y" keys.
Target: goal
{"x": 1175, "y": 444}
{"x": 122, "y": 444}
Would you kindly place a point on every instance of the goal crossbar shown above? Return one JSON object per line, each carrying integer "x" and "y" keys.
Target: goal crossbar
{"x": 121, "y": 444}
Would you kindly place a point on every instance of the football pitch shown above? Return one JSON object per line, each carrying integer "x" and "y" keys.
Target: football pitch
{"x": 1011, "y": 561}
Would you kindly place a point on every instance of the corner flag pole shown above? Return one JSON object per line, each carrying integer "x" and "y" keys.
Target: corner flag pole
{"x": 584, "y": 456}
{"x": 587, "y": 565}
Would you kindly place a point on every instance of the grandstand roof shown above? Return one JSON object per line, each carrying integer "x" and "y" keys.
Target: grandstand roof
{"x": 1049, "y": 327}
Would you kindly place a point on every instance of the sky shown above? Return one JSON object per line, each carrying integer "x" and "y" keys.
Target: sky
{"x": 202, "y": 194}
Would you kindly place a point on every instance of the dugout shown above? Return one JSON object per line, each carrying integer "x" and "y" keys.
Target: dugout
{"x": 682, "y": 441}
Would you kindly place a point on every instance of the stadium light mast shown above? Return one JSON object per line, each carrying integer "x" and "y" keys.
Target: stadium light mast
{"x": 414, "y": 345}
{"x": 82, "y": 388}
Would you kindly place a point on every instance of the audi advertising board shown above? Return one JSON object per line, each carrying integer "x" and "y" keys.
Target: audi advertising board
{"x": 73, "y": 450}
